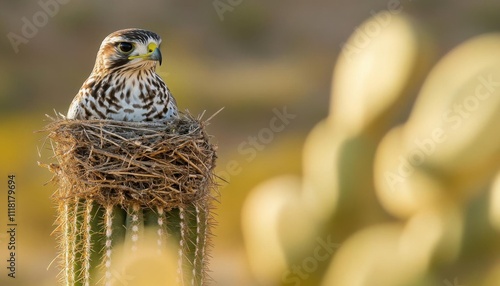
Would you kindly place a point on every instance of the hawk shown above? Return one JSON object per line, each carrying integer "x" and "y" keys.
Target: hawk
{"x": 124, "y": 84}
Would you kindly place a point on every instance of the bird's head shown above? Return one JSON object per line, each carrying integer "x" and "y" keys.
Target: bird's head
{"x": 129, "y": 49}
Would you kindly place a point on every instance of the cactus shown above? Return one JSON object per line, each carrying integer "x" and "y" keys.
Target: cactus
{"x": 397, "y": 198}
{"x": 135, "y": 187}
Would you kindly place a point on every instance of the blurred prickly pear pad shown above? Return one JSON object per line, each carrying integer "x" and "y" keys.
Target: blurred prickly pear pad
{"x": 261, "y": 219}
{"x": 380, "y": 63}
{"x": 373, "y": 81}
{"x": 397, "y": 183}
{"x": 451, "y": 141}
{"x": 320, "y": 192}
{"x": 494, "y": 207}
{"x": 367, "y": 256}
{"x": 387, "y": 254}
{"x": 456, "y": 118}
{"x": 338, "y": 155}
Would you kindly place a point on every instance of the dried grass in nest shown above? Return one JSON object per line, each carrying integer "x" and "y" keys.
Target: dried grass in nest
{"x": 161, "y": 164}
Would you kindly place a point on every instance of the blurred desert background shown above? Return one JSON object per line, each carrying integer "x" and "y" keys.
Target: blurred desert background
{"x": 260, "y": 61}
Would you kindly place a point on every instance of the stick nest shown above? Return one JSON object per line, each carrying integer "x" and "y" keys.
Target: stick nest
{"x": 161, "y": 164}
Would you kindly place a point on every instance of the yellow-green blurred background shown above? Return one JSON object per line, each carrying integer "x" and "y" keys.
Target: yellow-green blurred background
{"x": 251, "y": 59}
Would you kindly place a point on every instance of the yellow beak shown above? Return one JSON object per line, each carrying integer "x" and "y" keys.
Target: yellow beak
{"x": 153, "y": 54}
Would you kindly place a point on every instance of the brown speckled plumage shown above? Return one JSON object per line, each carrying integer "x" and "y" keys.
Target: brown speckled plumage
{"x": 124, "y": 85}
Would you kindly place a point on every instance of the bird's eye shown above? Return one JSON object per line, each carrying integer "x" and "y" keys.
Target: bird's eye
{"x": 125, "y": 47}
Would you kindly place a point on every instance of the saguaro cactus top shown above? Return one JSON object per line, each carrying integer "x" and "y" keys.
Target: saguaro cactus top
{"x": 117, "y": 180}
